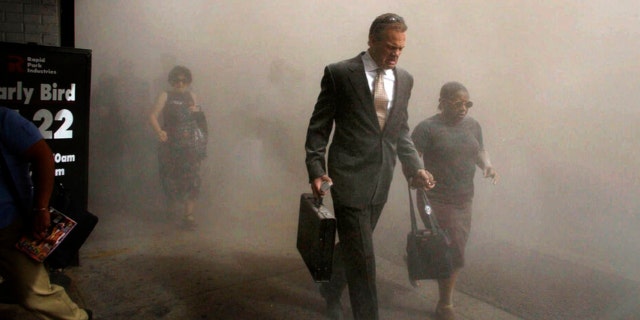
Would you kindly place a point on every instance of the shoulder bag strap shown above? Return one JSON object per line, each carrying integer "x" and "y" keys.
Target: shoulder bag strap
{"x": 414, "y": 224}
{"x": 433, "y": 222}
{"x": 435, "y": 227}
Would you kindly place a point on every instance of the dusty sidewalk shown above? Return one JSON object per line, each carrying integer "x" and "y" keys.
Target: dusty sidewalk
{"x": 153, "y": 269}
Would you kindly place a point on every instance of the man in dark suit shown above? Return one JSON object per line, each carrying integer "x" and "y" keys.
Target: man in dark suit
{"x": 362, "y": 156}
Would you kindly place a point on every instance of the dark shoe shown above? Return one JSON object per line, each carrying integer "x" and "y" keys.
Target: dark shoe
{"x": 89, "y": 313}
{"x": 189, "y": 222}
{"x": 334, "y": 307}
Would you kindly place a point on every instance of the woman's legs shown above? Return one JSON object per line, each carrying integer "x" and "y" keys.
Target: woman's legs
{"x": 456, "y": 220}
{"x": 444, "y": 308}
{"x": 446, "y": 288}
{"x": 188, "y": 211}
{"x": 192, "y": 190}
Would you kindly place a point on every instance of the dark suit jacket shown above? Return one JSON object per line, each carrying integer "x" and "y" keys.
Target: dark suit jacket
{"x": 361, "y": 157}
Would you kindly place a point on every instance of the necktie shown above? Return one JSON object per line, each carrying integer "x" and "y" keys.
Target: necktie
{"x": 380, "y": 100}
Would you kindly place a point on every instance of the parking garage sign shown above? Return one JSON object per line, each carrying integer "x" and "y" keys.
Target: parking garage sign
{"x": 51, "y": 87}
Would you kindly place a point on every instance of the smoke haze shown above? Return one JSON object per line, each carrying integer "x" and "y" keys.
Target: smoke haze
{"x": 554, "y": 85}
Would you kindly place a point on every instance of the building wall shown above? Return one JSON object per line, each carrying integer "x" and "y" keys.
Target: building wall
{"x": 30, "y": 21}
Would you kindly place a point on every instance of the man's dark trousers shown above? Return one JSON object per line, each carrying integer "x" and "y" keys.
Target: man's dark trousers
{"x": 354, "y": 261}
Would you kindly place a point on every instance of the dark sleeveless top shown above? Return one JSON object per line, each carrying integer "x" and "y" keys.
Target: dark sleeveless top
{"x": 178, "y": 121}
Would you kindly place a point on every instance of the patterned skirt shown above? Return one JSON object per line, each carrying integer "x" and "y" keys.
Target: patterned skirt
{"x": 179, "y": 171}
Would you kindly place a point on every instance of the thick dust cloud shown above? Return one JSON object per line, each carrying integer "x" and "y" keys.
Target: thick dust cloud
{"x": 554, "y": 85}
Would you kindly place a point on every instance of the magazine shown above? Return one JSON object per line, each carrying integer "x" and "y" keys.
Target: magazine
{"x": 39, "y": 250}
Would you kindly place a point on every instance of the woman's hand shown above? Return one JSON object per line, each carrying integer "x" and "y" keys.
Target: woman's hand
{"x": 162, "y": 136}
{"x": 491, "y": 173}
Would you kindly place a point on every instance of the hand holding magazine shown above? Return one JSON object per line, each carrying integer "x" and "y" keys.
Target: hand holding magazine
{"x": 39, "y": 250}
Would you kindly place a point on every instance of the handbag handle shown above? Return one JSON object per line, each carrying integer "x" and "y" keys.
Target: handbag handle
{"x": 433, "y": 222}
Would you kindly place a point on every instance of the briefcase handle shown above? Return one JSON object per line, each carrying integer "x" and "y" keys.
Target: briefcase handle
{"x": 434, "y": 227}
{"x": 318, "y": 200}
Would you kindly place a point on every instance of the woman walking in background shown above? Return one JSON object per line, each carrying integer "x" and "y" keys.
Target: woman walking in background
{"x": 178, "y": 155}
{"x": 451, "y": 146}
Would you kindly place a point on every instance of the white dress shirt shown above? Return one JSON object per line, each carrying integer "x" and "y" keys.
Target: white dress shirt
{"x": 371, "y": 70}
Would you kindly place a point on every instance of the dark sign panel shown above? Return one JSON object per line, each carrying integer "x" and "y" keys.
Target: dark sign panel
{"x": 51, "y": 86}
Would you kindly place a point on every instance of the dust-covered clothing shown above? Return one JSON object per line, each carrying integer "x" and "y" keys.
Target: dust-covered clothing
{"x": 450, "y": 153}
{"x": 179, "y": 160}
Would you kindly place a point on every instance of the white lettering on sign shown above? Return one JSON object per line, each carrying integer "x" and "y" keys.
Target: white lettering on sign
{"x": 61, "y": 158}
{"x": 37, "y": 60}
{"x": 17, "y": 93}
{"x": 47, "y": 120}
{"x": 51, "y": 92}
{"x": 59, "y": 172}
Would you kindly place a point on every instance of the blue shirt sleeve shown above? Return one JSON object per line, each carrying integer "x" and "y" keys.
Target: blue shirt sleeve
{"x": 17, "y": 135}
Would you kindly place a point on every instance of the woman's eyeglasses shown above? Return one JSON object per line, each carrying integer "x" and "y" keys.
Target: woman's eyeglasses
{"x": 180, "y": 80}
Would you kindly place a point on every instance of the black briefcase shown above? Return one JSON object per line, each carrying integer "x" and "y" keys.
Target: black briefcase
{"x": 428, "y": 250}
{"x": 316, "y": 236}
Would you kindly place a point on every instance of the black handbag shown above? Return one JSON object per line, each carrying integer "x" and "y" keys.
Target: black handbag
{"x": 200, "y": 134}
{"x": 428, "y": 250}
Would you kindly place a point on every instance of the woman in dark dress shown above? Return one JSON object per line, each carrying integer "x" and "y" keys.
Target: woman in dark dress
{"x": 451, "y": 147}
{"x": 177, "y": 154}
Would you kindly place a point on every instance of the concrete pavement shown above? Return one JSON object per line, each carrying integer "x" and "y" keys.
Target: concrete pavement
{"x": 243, "y": 285}
{"x": 146, "y": 268}
{"x": 239, "y": 263}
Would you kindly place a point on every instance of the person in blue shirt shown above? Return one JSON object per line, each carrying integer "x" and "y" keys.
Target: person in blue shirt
{"x": 30, "y": 167}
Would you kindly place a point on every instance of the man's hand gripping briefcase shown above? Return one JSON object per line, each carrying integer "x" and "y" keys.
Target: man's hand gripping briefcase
{"x": 316, "y": 236}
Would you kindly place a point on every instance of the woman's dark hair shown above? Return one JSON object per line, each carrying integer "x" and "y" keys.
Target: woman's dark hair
{"x": 449, "y": 91}
{"x": 178, "y": 71}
